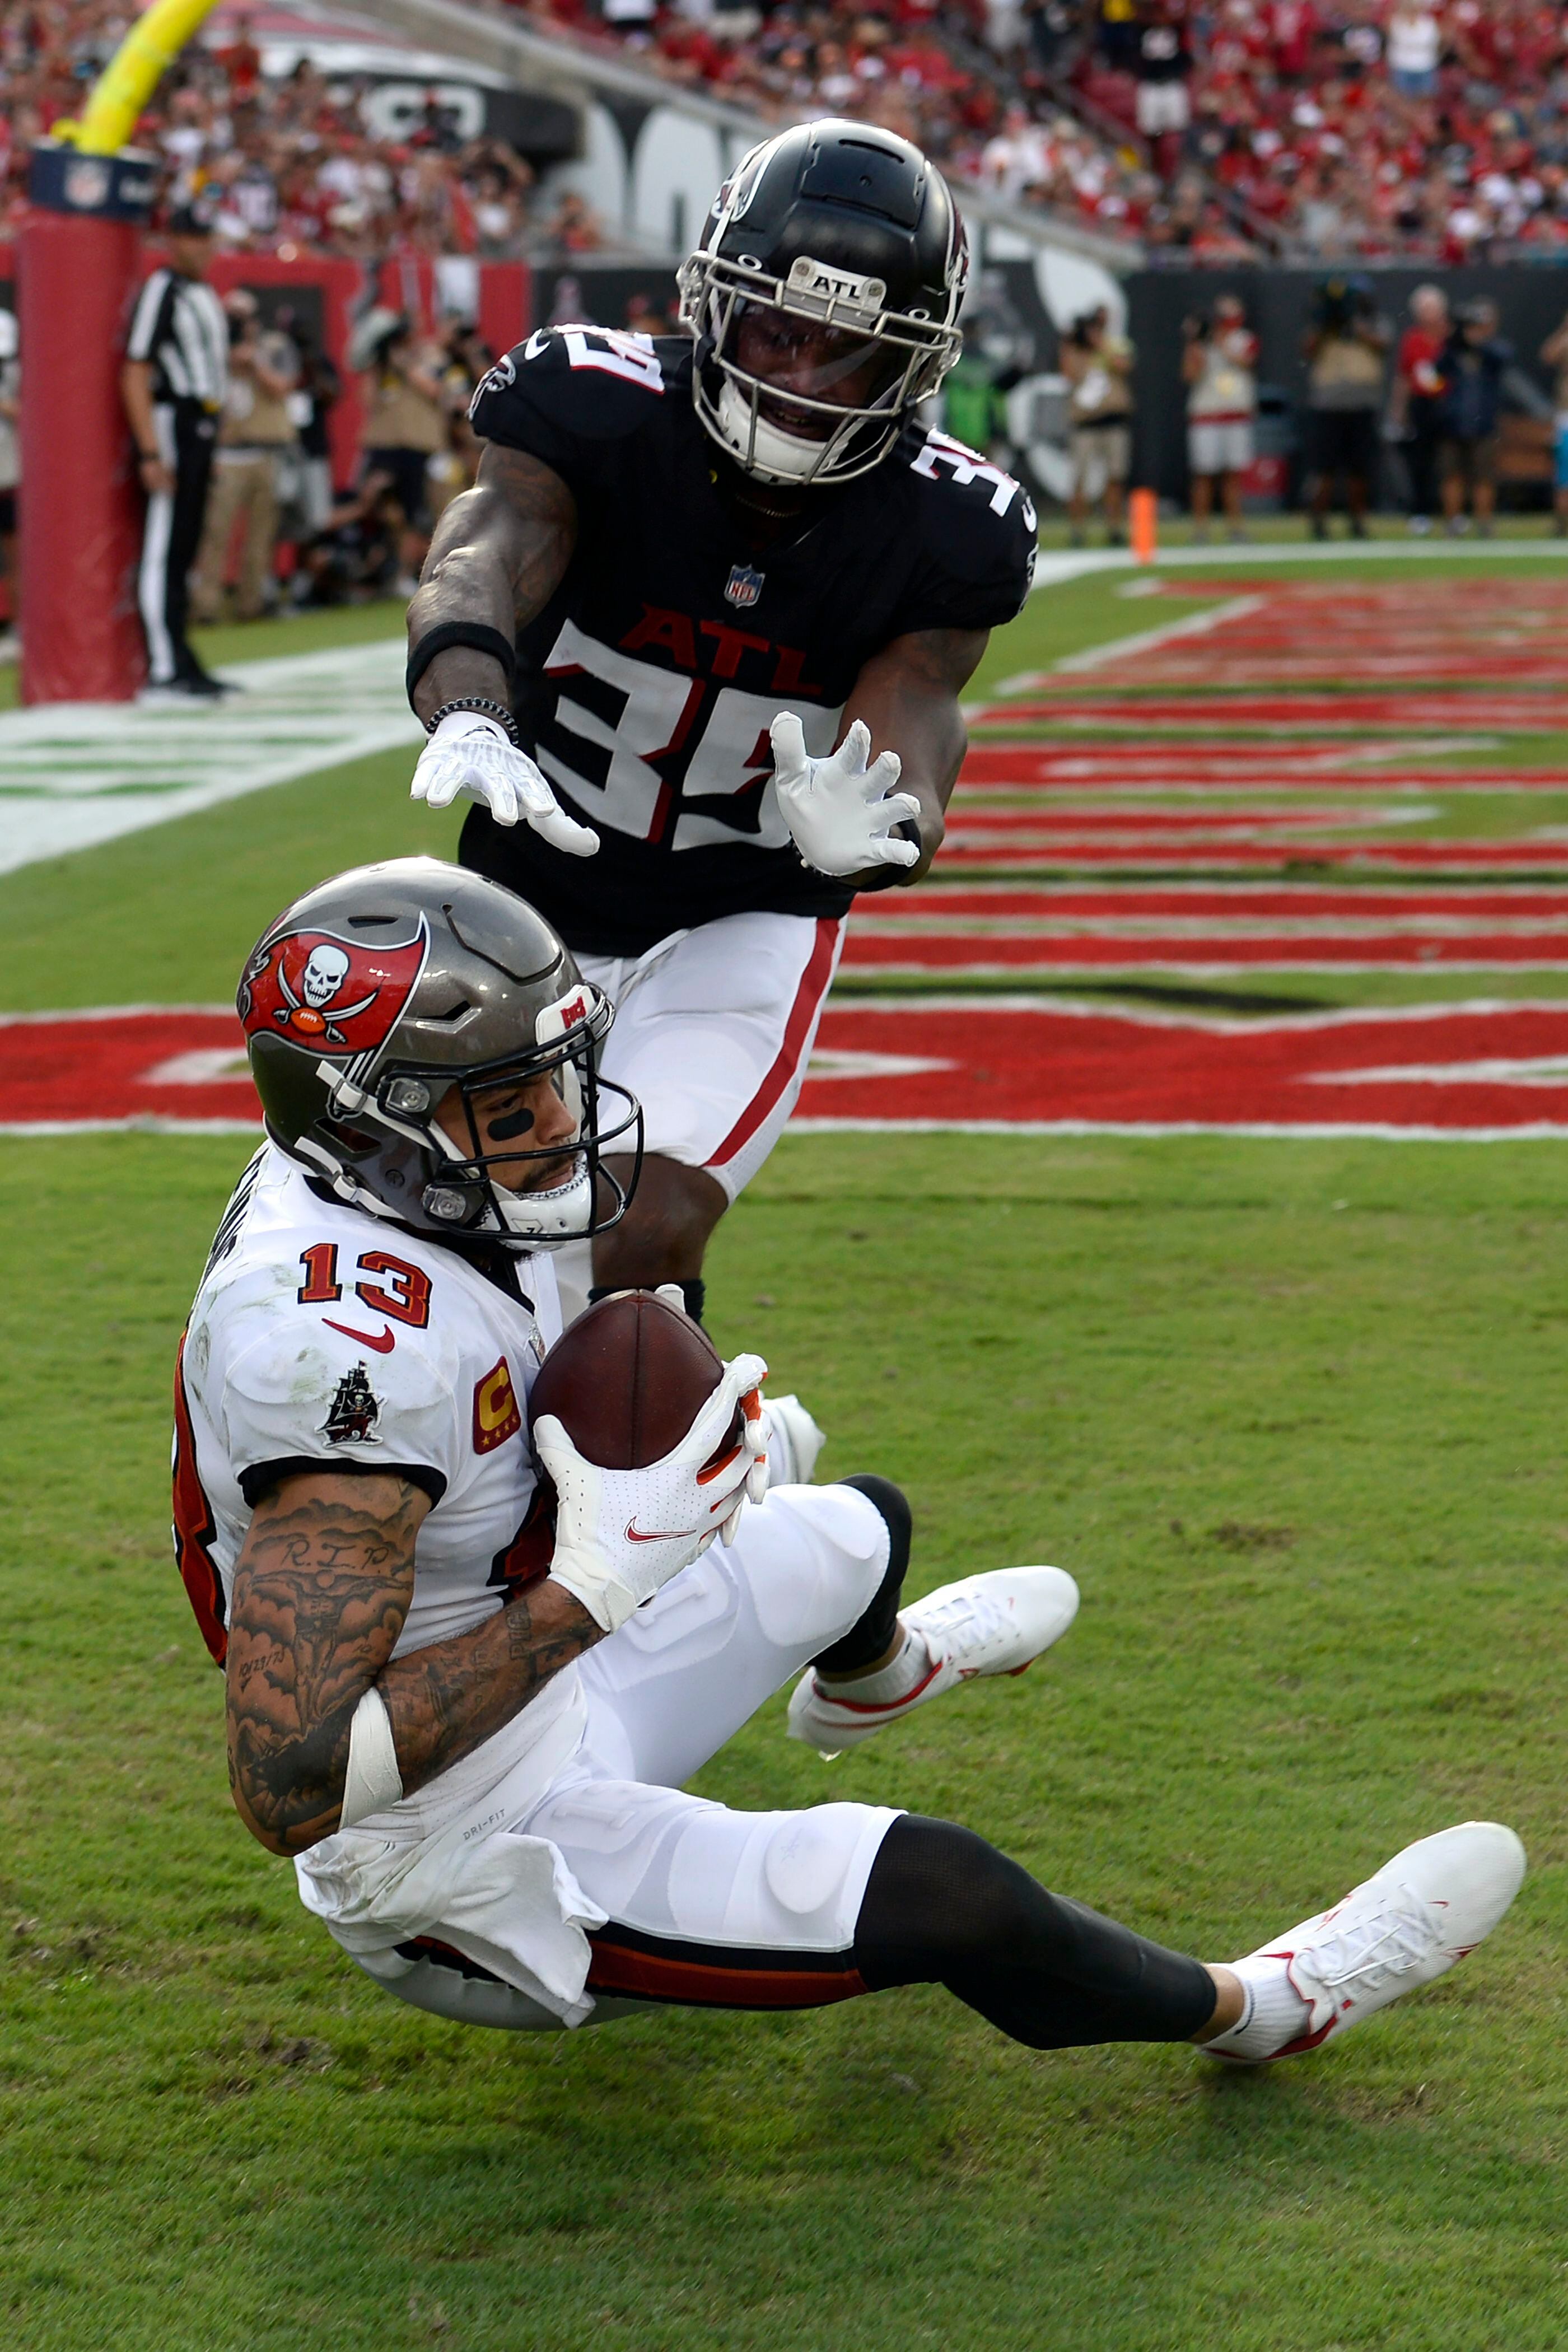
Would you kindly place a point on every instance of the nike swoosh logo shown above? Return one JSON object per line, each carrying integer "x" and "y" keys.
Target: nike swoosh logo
{"x": 384, "y": 1345}
{"x": 658, "y": 1535}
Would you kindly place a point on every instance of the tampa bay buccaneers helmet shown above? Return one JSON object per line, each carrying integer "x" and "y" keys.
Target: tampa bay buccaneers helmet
{"x": 825, "y": 300}
{"x": 374, "y": 995}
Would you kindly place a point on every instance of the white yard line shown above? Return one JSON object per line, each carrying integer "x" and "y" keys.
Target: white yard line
{"x": 1194, "y": 624}
{"x": 74, "y": 774}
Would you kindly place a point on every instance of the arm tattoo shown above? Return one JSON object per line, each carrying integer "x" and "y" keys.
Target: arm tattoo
{"x": 322, "y": 1589}
{"x": 447, "y": 1700}
{"x": 498, "y": 556}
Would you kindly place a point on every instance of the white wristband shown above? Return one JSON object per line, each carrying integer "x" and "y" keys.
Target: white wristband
{"x": 373, "y": 1780}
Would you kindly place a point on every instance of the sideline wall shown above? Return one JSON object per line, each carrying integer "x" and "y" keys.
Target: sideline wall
{"x": 328, "y": 293}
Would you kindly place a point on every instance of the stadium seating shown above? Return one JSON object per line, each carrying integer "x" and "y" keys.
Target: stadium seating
{"x": 1312, "y": 131}
{"x": 283, "y": 167}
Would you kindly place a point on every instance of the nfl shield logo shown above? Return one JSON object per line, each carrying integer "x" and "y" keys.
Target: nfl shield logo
{"x": 743, "y": 587}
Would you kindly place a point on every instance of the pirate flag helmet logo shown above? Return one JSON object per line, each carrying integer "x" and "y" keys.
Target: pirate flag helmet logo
{"x": 382, "y": 1012}
{"x": 333, "y": 995}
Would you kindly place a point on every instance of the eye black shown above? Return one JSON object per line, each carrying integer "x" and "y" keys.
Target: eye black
{"x": 504, "y": 1130}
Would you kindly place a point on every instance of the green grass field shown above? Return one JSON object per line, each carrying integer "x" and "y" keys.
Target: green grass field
{"x": 1292, "y": 1414}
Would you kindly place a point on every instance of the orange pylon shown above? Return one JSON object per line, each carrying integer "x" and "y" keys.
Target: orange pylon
{"x": 1143, "y": 508}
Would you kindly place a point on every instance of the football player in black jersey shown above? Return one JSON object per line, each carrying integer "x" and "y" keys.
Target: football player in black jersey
{"x": 702, "y": 625}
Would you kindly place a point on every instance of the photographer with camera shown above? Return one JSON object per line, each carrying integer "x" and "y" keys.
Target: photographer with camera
{"x": 407, "y": 431}
{"x": 1097, "y": 365}
{"x": 1346, "y": 346}
{"x": 1219, "y": 360}
{"x": 255, "y": 431}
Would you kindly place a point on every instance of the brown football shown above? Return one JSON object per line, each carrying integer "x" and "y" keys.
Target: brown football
{"x": 627, "y": 1379}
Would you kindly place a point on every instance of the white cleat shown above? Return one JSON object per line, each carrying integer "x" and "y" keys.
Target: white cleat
{"x": 995, "y": 1624}
{"x": 1407, "y": 1924}
{"x": 794, "y": 1442}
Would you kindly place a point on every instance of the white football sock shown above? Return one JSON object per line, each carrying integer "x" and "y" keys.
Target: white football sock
{"x": 890, "y": 1684}
{"x": 1275, "y": 2012}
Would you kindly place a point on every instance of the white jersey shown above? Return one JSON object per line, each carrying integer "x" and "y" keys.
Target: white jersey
{"x": 319, "y": 1339}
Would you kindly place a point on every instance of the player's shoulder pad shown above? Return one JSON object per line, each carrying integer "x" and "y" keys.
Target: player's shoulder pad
{"x": 595, "y": 384}
{"x": 977, "y": 524}
{"x": 284, "y": 1381}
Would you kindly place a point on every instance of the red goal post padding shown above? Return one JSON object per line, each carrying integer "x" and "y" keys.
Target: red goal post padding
{"x": 83, "y": 641}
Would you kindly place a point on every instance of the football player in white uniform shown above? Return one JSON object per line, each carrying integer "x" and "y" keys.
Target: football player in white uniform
{"x": 466, "y": 1706}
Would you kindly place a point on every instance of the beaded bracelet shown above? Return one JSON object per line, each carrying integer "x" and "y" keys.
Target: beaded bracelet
{"x": 486, "y": 709}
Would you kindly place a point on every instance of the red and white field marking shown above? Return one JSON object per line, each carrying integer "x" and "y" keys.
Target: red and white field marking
{"x": 1142, "y": 852}
{"x": 1242, "y": 819}
{"x": 1287, "y": 714}
{"x": 1267, "y": 806}
{"x": 1206, "y": 931}
{"x": 1307, "y": 779}
{"x": 1481, "y": 1070}
{"x": 1402, "y": 766}
{"x": 1476, "y": 1070}
{"x": 1276, "y": 632}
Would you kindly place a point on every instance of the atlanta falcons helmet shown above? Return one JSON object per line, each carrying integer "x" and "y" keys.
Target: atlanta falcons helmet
{"x": 380, "y": 993}
{"x": 824, "y": 300}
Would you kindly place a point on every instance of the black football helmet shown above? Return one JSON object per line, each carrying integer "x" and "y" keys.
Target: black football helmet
{"x": 825, "y": 300}
{"x": 374, "y": 995}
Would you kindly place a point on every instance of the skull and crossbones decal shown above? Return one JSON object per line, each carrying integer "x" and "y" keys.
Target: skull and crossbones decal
{"x": 326, "y": 968}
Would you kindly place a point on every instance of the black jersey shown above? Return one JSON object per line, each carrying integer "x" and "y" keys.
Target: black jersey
{"x": 646, "y": 687}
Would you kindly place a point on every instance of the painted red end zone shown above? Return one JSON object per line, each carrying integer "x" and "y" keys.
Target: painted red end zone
{"x": 1474, "y": 1068}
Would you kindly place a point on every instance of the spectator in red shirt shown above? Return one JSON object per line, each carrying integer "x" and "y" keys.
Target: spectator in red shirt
{"x": 1417, "y": 395}
{"x": 1291, "y": 27}
{"x": 241, "y": 61}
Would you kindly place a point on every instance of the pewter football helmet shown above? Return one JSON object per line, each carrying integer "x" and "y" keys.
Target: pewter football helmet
{"x": 375, "y": 996}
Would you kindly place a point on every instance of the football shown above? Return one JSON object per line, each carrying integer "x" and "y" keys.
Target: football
{"x": 627, "y": 1379}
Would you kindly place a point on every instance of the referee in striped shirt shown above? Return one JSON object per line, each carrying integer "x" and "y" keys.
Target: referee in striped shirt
{"x": 172, "y": 383}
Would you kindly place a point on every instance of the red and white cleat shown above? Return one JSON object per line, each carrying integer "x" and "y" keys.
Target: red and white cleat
{"x": 1407, "y": 1924}
{"x": 995, "y": 1624}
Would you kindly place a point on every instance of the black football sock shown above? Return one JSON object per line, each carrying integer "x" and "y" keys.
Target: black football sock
{"x": 942, "y": 1907}
{"x": 871, "y": 1635}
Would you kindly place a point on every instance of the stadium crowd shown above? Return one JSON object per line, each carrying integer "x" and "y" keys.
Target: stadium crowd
{"x": 280, "y": 165}
{"x": 1209, "y": 128}
{"x": 1213, "y": 128}
{"x": 1431, "y": 128}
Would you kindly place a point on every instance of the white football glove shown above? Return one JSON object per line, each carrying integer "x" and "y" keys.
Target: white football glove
{"x": 621, "y": 1533}
{"x": 473, "y": 754}
{"x": 755, "y": 1430}
{"x": 841, "y": 813}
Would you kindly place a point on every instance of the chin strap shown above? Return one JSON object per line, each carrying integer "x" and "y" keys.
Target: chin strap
{"x": 343, "y": 1185}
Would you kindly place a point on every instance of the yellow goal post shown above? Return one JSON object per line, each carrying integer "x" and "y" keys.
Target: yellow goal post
{"x": 120, "y": 94}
